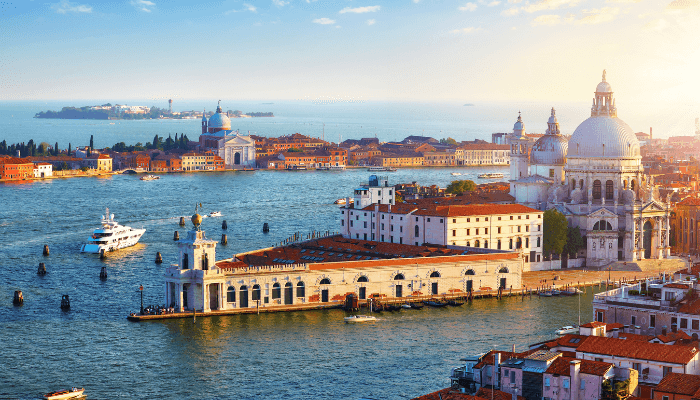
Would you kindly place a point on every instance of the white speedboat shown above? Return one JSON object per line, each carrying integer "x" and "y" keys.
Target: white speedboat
{"x": 381, "y": 169}
{"x": 565, "y": 330}
{"x": 456, "y": 173}
{"x": 359, "y": 318}
{"x": 215, "y": 214}
{"x": 150, "y": 178}
{"x": 71, "y": 393}
{"x": 492, "y": 175}
{"x": 111, "y": 236}
{"x": 342, "y": 201}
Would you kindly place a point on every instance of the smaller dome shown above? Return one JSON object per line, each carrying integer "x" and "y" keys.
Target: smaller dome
{"x": 552, "y": 118}
{"x": 603, "y": 87}
{"x": 519, "y": 124}
{"x": 549, "y": 150}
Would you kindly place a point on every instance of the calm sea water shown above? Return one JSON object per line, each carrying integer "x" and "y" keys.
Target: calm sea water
{"x": 299, "y": 355}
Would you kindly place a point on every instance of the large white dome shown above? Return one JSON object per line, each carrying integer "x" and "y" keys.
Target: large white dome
{"x": 549, "y": 150}
{"x": 608, "y": 137}
{"x": 219, "y": 121}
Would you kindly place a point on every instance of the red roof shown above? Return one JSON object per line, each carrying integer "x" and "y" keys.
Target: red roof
{"x": 496, "y": 395}
{"x": 562, "y": 366}
{"x": 638, "y": 350}
{"x": 632, "y": 336}
{"x": 594, "y": 324}
{"x": 673, "y": 336}
{"x": 679, "y": 384}
{"x": 455, "y": 210}
{"x": 676, "y": 286}
{"x": 689, "y": 201}
{"x": 448, "y": 394}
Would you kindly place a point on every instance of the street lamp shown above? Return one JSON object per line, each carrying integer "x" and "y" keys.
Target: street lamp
{"x": 141, "y": 290}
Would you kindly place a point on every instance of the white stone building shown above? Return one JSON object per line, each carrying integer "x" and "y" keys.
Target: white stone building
{"x": 237, "y": 151}
{"x": 597, "y": 180}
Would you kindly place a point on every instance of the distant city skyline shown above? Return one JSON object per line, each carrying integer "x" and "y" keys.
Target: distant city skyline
{"x": 409, "y": 50}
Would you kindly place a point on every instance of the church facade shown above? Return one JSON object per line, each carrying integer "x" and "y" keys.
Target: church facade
{"x": 237, "y": 151}
{"x": 596, "y": 179}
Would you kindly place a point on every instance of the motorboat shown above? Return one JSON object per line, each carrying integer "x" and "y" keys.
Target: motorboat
{"x": 215, "y": 214}
{"x": 381, "y": 169}
{"x": 342, "y": 201}
{"x": 150, "y": 177}
{"x": 406, "y": 306}
{"x": 491, "y": 175}
{"x": 359, "y": 318}
{"x": 111, "y": 236}
{"x": 545, "y": 294}
{"x": 71, "y": 393}
{"x": 436, "y": 304}
{"x": 336, "y": 168}
{"x": 456, "y": 173}
{"x": 571, "y": 291}
{"x": 565, "y": 330}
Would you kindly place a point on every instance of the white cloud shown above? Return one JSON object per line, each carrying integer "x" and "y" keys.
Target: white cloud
{"x": 143, "y": 5}
{"x": 360, "y": 10}
{"x": 599, "y": 16}
{"x": 546, "y": 20}
{"x": 65, "y": 7}
{"x": 549, "y": 5}
{"x": 623, "y": 1}
{"x": 657, "y": 25}
{"x": 511, "y": 11}
{"x": 678, "y": 5}
{"x": 371, "y": 22}
{"x": 465, "y": 30}
{"x": 514, "y": 1}
{"x": 324, "y": 21}
{"x": 250, "y": 7}
{"x": 494, "y": 3}
{"x": 280, "y": 3}
{"x": 468, "y": 7}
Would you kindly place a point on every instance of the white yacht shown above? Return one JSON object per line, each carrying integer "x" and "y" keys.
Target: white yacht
{"x": 491, "y": 175}
{"x": 112, "y": 236}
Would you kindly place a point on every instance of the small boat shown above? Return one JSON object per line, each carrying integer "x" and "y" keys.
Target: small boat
{"x": 342, "y": 201}
{"x": 359, "y": 318}
{"x": 71, "y": 393}
{"x": 336, "y": 168}
{"x": 436, "y": 304}
{"x": 380, "y": 169}
{"x": 571, "y": 292}
{"x": 545, "y": 294}
{"x": 454, "y": 303}
{"x": 456, "y": 173}
{"x": 491, "y": 175}
{"x": 406, "y": 306}
{"x": 215, "y": 214}
{"x": 565, "y": 330}
{"x": 556, "y": 292}
{"x": 417, "y": 306}
{"x": 150, "y": 177}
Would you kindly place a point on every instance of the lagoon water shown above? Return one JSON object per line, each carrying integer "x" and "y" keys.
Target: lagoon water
{"x": 302, "y": 355}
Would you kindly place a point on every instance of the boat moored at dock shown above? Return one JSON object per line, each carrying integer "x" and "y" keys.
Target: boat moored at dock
{"x": 111, "y": 236}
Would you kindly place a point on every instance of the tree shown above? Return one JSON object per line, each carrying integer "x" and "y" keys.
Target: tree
{"x": 43, "y": 148}
{"x": 457, "y": 187}
{"x": 574, "y": 242}
{"x": 55, "y": 149}
{"x": 449, "y": 141}
{"x": 69, "y": 150}
{"x": 615, "y": 390}
{"x": 555, "y": 231}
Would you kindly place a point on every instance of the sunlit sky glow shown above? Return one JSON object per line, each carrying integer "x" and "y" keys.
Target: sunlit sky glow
{"x": 407, "y": 50}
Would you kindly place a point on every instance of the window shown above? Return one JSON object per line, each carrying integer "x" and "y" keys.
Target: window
{"x": 382, "y": 226}
{"x": 546, "y": 381}
{"x": 276, "y": 291}
{"x": 468, "y": 231}
{"x": 633, "y": 322}
{"x": 652, "y": 321}
{"x": 454, "y": 232}
{"x": 231, "y": 294}
{"x": 527, "y": 228}
{"x": 596, "y": 189}
{"x": 684, "y": 323}
{"x": 365, "y": 224}
{"x": 256, "y": 293}
{"x": 428, "y": 219}
{"x": 583, "y": 384}
{"x": 416, "y": 231}
{"x": 512, "y": 376}
{"x": 599, "y": 316}
{"x": 667, "y": 370}
{"x": 498, "y": 245}
{"x": 609, "y": 191}
{"x": 566, "y": 383}
{"x": 486, "y": 231}
{"x": 477, "y": 231}
{"x": 599, "y": 359}
{"x": 518, "y": 228}
{"x": 637, "y": 367}
{"x": 499, "y": 229}
{"x": 695, "y": 325}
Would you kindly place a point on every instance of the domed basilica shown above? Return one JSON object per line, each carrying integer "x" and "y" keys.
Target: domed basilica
{"x": 596, "y": 179}
{"x": 237, "y": 151}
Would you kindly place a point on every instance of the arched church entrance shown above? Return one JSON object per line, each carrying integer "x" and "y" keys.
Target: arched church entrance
{"x": 647, "y": 239}
{"x": 237, "y": 159}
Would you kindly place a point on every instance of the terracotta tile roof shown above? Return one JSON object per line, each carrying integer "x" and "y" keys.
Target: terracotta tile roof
{"x": 455, "y": 210}
{"x": 614, "y": 325}
{"x": 691, "y": 306}
{"x": 570, "y": 340}
{"x": 337, "y": 252}
{"x": 496, "y": 395}
{"x": 676, "y": 286}
{"x": 594, "y": 324}
{"x": 679, "y": 384}
{"x": 448, "y": 394}
{"x": 637, "y": 350}
{"x": 689, "y": 201}
{"x": 488, "y": 358}
{"x": 562, "y": 366}
{"x": 632, "y": 336}
{"x": 673, "y": 336}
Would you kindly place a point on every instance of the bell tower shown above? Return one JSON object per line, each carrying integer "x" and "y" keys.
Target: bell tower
{"x": 205, "y": 124}
{"x": 196, "y": 251}
{"x": 519, "y": 151}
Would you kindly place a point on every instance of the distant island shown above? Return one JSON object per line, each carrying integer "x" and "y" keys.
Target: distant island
{"x": 469, "y": 105}
{"x": 109, "y": 111}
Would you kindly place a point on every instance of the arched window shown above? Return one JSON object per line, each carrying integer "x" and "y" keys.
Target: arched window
{"x": 231, "y": 294}
{"x": 609, "y": 190}
{"x": 580, "y": 184}
{"x": 486, "y": 244}
{"x": 519, "y": 243}
{"x": 276, "y": 291}
{"x": 477, "y": 243}
{"x": 256, "y": 293}
{"x": 499, "y": 244}
{"x": 325, "y": 281}
{"x": 362, "y": 279}
{"x": 398, "y": 277}
{"x": 435, "y": 274}
{"x": 470, "y": 272}
{"x": 185, "y": 261}
{"x": 469, "y": 244}
{"x": 634, "y": 184}
{"x": 573, "y": 184}
{"x": 503, "y": 270}
{"x": 205, "y": 261}
{"x": 596, "y": 189}
{"x": 301, "y": 290}
{"x": 416, "y": 231}
{"x": 624, "y": 184}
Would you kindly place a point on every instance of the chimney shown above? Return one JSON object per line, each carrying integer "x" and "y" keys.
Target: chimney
{"x": 664, "y": 330}
{"x": 650, "y": 133}
{"x": 496, "y": 370}
{"x": 637, "y": 330}
{"x": 574, "y": 371}
{"x": 389, "y": 206}
{"x": 376, "y": 209}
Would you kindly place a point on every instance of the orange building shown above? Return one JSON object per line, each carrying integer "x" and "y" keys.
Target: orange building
{"x": 16, "y": 169}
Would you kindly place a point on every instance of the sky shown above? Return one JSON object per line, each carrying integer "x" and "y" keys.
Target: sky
{"x": 350, "y": 50}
